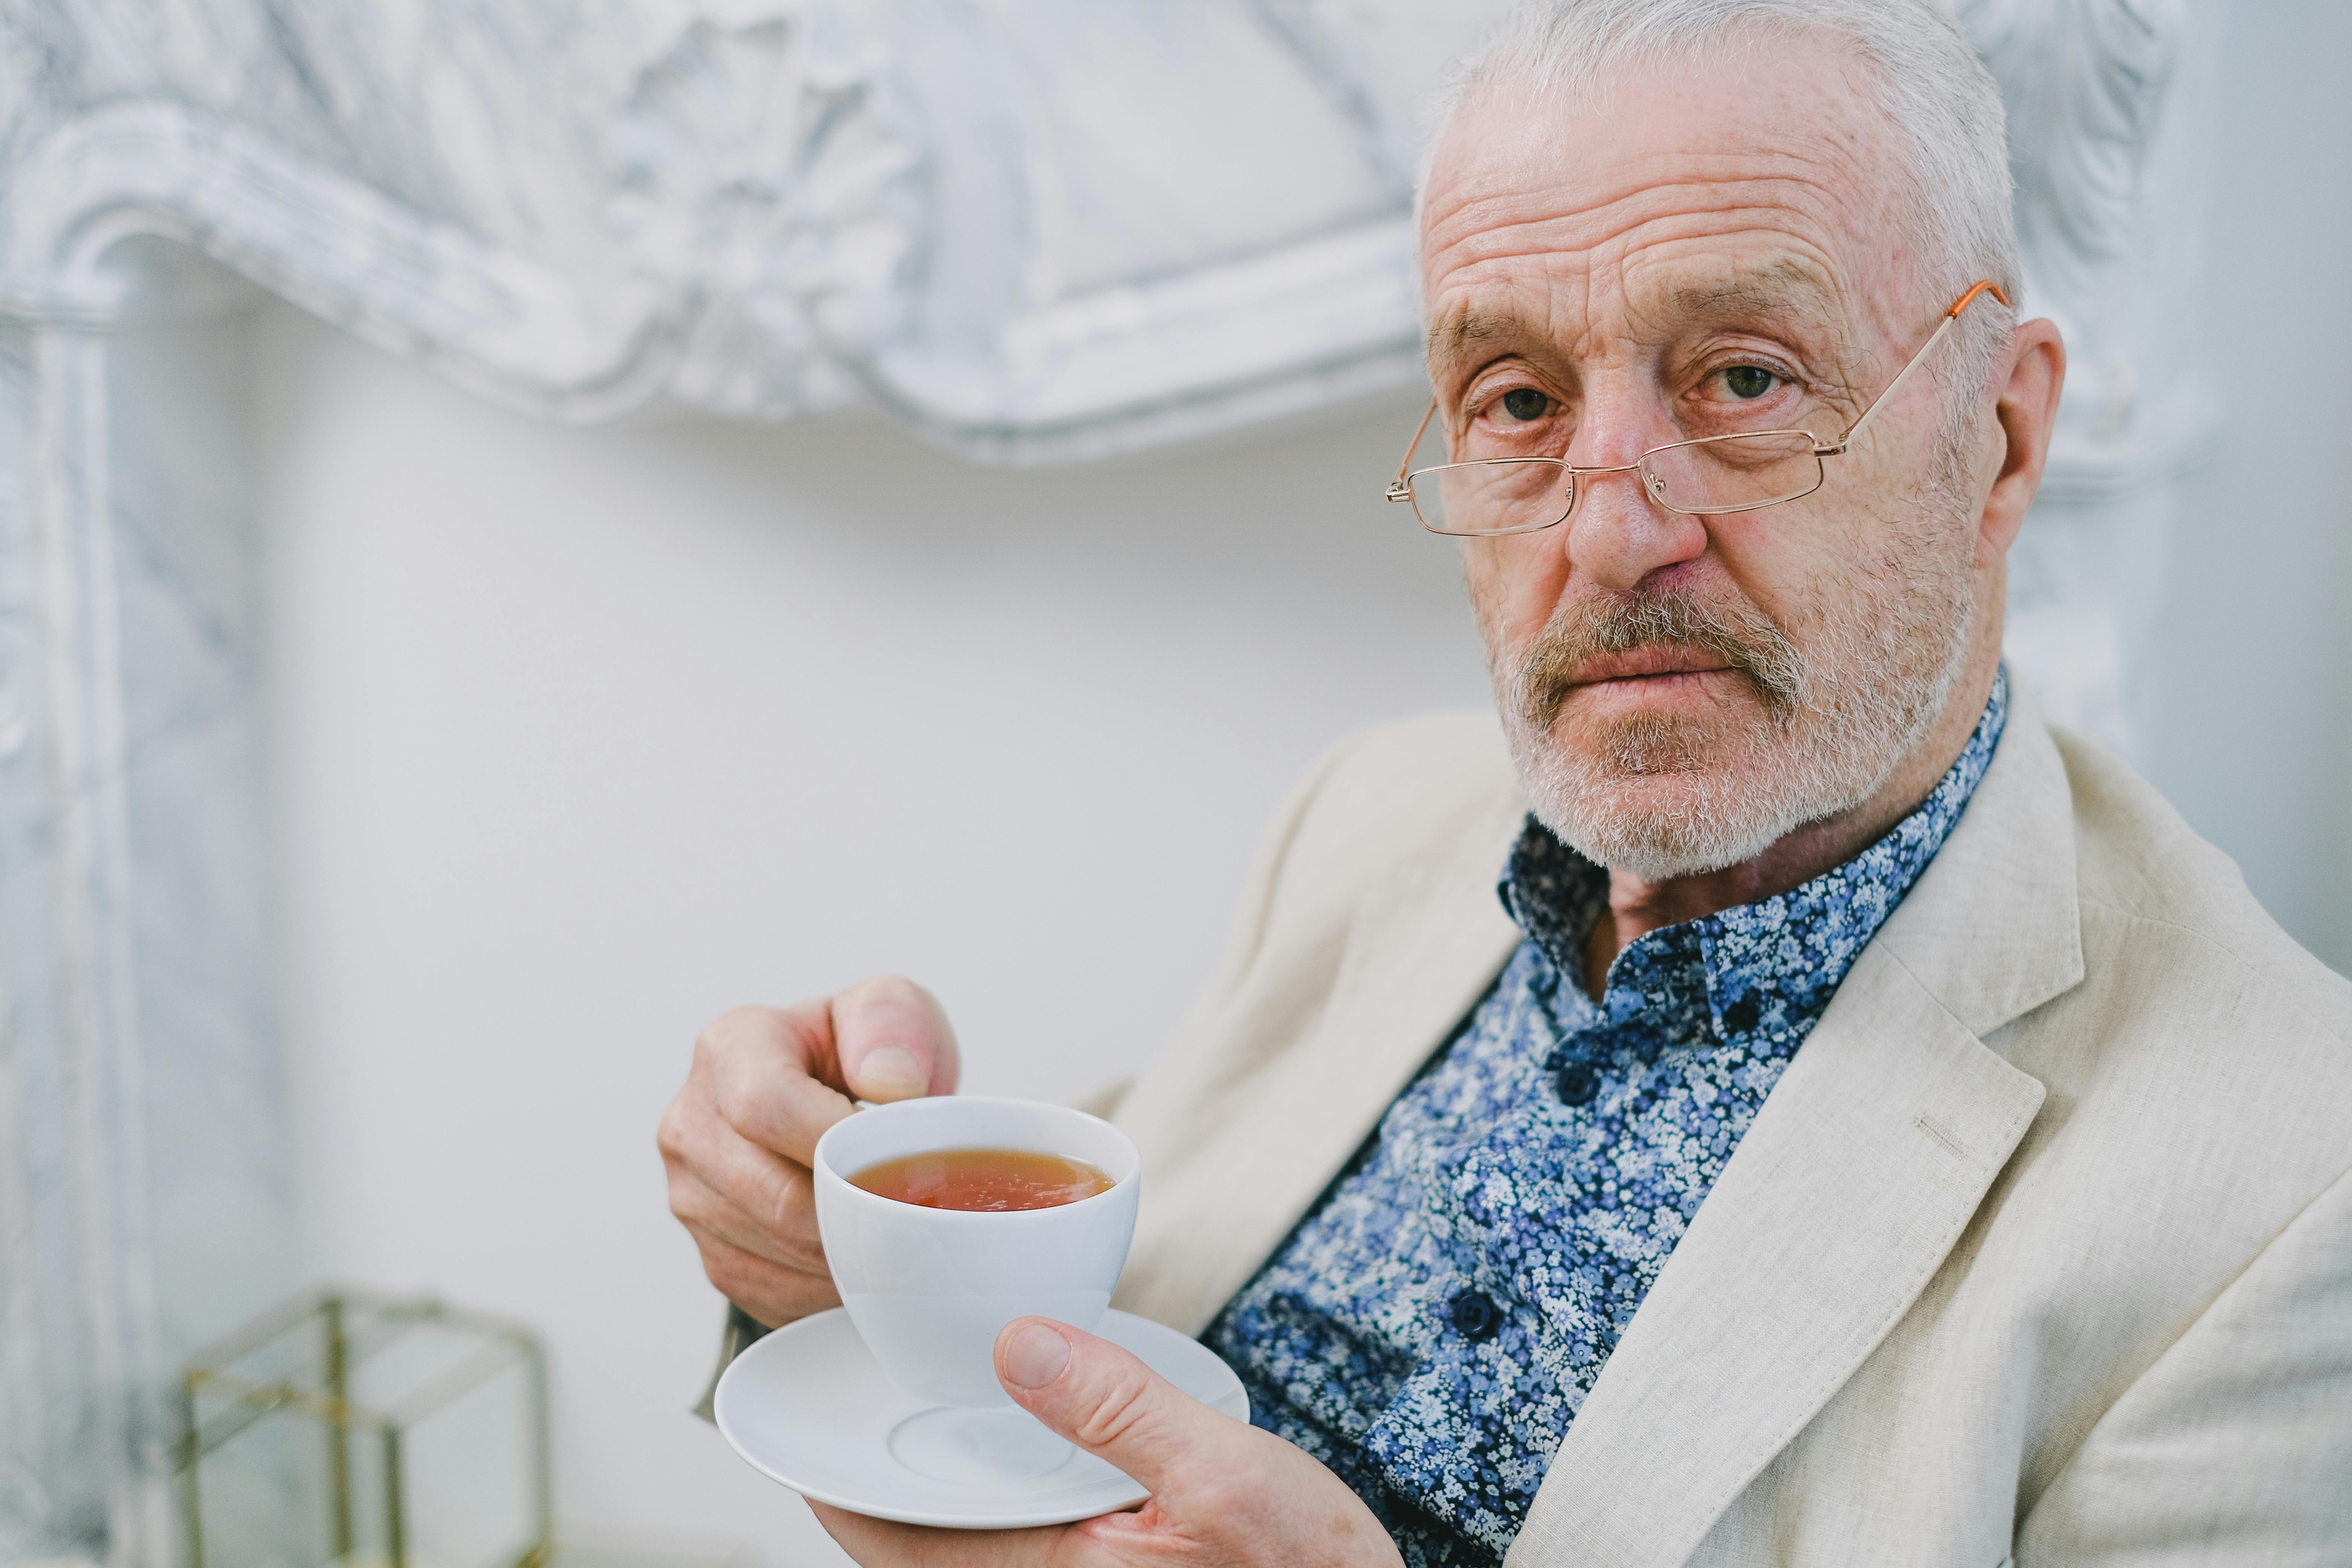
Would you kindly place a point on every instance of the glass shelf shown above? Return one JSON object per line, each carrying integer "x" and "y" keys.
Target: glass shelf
{"x": 357, "y": 1430}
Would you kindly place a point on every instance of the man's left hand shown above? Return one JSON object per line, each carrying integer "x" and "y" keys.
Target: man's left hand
{"x": 1224, "y": 1494}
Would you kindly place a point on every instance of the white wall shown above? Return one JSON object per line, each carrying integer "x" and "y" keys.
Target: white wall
{"x": 583, "y": 735}
{"x": 2245, "y": 697}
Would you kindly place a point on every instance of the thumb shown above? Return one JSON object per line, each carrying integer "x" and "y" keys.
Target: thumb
{"x": 893, "y": 1041}
{"x": 1105, "y": 1399}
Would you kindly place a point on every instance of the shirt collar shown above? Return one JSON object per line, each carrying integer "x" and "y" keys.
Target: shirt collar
{"x": 1769, "y": 967}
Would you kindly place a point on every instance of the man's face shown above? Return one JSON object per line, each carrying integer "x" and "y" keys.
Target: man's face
{"x": 1689, "y": 254}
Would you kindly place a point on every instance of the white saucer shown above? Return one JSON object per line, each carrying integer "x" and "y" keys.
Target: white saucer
{"x": 808, "y": 1406}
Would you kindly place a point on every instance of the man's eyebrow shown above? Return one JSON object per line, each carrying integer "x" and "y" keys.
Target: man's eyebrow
{"x": 1773, "y": 292}
{"x": 1776, "y": 291}
{"x": 1471, "y": 327}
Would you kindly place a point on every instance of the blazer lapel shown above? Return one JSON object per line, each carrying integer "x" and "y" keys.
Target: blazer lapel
{"x": 1857, "y": 1177}
{"x": 1423, "y": 943}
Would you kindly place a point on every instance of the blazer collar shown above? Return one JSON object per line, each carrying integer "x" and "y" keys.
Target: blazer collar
{"x": 1994, "y": 928}
{"x": 1423, "y": 942}
{"x": 1860, "y": 1173}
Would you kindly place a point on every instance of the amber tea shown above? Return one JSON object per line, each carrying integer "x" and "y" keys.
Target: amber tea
{"x": 987, "y": 1180}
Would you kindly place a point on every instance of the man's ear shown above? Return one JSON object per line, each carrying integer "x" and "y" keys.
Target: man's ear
{"x": 2032, "y": 373}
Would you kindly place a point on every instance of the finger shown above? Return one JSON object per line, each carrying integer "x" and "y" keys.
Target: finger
{"x": 879, "y": 1542}
{"x": 893, "y": 1041}
{"x": 789, "y": 1241}
{"x": 774, "y": 1195}
{"x": 767, "y": 1071}
{"x": 717, "y": 1177}
{"x": 1107, "y": 1401}
{"x": 772, "y": 1293}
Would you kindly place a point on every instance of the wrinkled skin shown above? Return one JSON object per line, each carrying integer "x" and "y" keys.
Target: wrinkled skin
{"x": 1616, "y": 256}
{"x": 739, "y": 1138}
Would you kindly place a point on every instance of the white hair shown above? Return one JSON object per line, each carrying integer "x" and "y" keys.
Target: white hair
{"x": 1929, "y": 82}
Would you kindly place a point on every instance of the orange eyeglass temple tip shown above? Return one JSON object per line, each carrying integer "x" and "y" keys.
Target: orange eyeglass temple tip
{"x": 1970, "y": 297}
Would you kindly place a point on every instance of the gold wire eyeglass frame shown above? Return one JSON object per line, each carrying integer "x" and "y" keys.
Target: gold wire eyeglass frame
{"x": 1401, "y": 488}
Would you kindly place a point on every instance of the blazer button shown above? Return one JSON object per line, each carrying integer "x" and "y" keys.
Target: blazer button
{"x": 1475, "y": 1318}
{"x": 1578, "y": 1083}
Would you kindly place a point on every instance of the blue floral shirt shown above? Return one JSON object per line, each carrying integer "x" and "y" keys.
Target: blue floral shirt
{"x": 1432, "y": 1327}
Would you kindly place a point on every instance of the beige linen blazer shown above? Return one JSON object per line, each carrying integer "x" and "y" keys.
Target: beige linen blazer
{"x": 2040, "y": 1251}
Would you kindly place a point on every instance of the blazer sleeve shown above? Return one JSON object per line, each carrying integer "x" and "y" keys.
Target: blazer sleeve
{"x": 2235, "y": 1447}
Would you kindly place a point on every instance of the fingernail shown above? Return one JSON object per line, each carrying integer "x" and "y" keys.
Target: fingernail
{"x": 891, "y": 1070}
{"x": 1036, "y": 1356}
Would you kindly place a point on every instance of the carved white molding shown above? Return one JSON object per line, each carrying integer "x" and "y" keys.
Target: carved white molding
{"x": 1035, "y": 232}
{"x": 2111, "y": 116}
{"x": 78, "y": 1382}
{"x": 142, "y": 1191}
{"x": 2105, "y": 110}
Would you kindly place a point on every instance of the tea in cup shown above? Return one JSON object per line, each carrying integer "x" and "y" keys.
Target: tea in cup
{"x": 983, "y": 1181}
{"x": 945, "y": 1218}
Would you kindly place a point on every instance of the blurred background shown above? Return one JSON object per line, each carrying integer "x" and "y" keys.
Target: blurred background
{"x": 467, "y": 623}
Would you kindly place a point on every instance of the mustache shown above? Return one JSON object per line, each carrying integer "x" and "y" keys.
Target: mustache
{"x": 1740, "y": 635}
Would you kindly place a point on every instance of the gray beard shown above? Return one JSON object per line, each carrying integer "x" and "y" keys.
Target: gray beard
{"x": 1659, "y": 798}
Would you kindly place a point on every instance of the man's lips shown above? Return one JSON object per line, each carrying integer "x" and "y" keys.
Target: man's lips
{"x": 1645, "y": 664}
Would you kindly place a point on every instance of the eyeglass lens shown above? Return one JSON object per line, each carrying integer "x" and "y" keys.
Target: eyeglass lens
{"x": 1735, "y": 473}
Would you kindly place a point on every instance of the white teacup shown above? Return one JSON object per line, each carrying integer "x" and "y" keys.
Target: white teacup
{"x": 929, "y": 1289}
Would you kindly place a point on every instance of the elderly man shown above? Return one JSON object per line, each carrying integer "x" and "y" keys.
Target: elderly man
{"x": 1871, "y": 1128}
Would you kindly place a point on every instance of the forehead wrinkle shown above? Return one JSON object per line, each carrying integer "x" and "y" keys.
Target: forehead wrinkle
{"x": 1496, "y": 259}
{"x": 1821, "y": 115}
{"x": 1836, "y": 179}
{"x": 1827, "y": 184}
{"x": 1611, "y": 236}
{"x": 1484, "y": 224}
{"x": 1476, "y": 307}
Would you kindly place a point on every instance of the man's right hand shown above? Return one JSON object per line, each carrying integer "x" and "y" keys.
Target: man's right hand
{"x": 739, "y": 1138}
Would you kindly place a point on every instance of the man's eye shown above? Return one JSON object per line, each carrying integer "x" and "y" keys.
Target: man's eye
{"x": 1746, "y": 381}
{"x": 1524, "y": 403}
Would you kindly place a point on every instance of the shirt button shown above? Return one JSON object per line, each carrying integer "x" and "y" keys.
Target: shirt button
{"x": 1578, "y": 1083}
{"x": 1475, "y": 1318}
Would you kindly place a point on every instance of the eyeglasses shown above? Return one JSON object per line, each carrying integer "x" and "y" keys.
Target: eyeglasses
{"x": 1701, "y": 478}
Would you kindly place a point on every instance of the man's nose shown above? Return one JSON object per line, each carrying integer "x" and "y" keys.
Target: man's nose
{"x": 1618, "y": 534}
